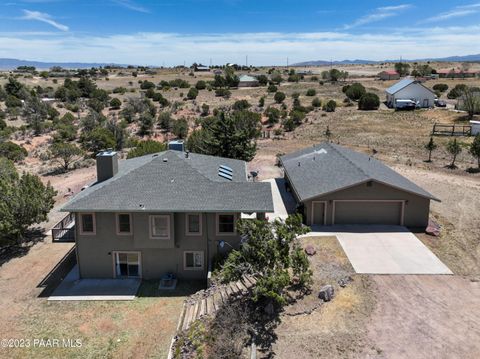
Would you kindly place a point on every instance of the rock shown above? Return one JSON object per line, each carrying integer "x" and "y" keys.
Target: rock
{"x": 326, "y": 293}
{"x": 310, "y": 250}
{"x": 344, "y": 281}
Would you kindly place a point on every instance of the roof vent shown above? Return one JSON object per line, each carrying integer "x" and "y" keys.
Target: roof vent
{"x": 165, "y": 160}
{"x": 225, "y": 172}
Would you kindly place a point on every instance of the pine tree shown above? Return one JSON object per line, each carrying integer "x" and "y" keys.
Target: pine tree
{"x": 430, "y": 146}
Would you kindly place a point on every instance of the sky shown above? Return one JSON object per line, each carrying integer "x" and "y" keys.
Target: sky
{"x": 173, "y": 32}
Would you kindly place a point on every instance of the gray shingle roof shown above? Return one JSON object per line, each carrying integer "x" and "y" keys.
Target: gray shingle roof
{"x": 175, "y": 185}
{"x": 328, "y": 168}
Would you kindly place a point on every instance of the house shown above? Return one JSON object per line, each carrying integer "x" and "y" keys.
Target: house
{"x": 389, "y": 75}
{"x": 202, "y": 68}
{"x": 170, "y": 212}
{"x": 247, "y": 81}
{"x": 410, "y": 89}
{"x": 335, "y": 185}
{"x": 456, "y": 74}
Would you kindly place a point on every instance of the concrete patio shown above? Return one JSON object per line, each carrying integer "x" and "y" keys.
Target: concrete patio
{"x": 73, "y": 288}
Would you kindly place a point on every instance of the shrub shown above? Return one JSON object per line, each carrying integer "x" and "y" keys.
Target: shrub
{"x": 457, "y": 91}
{"x": 330, "y": 106}
{"x": 355, "y": 91}
{"x": 240, "y": 105}
{"x": 115, "y": 103}
{"x": 146, "y": 147}
{"x": 272, "y": 88}
{"x": 311, "y": 92}
{"x": 316, "y": 102}
{"x": 201, "y": 85}
{"x": 222, "y": 92}
{"x": 192, "y": 93}
{"x": 12, "y": 151}
{"x": 279, "y": 97}
{"x": 145, "y": 85}
{"x": 369, "y": 101}
{"x": 440, "y": 87}
{"x": 273, "y": 115}
{"x": 180, "y": 128}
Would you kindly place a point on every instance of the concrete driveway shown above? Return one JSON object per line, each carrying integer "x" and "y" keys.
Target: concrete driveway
{"x": 384, "y": 250}
{"x": 283, "y": 201}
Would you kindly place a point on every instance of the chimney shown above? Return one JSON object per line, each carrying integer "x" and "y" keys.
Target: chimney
{"x": 107, "y": 165}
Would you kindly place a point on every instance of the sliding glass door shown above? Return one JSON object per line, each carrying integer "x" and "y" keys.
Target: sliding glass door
{"x": 127, "y": 264}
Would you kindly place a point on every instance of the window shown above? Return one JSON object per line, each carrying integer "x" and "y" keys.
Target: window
{"x": 193, "y": 260}
{"x": 160, "y": 226}
{"x": 87, "y": 223}
{"x": 193, "y": 224}
{"x": 226, "y": 223}
{"x": 127, "y": 264}
{"x": 124, "y": 224}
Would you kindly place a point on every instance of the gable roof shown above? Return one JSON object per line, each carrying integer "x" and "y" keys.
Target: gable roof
{"x": 400, "y": 85}
{"x": 327, "y": 168}
{"x": 170, "y": 182}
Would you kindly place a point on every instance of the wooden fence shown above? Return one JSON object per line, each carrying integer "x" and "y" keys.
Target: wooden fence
{"x": 451, "y": 130}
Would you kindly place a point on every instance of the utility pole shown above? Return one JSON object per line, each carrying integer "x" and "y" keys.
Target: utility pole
{"x": 246, "y": 60}
{"x": 210, "y": 62}
{"x": 287, "y": 62}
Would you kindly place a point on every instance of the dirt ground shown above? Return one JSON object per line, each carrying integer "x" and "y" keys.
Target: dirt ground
{"x": 310, "y": 329}
{"x": 425, "y": 317}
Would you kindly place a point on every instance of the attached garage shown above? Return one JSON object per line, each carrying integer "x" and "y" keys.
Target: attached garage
{"x": 368, "y": 212}
{"x": 335, "y": 185}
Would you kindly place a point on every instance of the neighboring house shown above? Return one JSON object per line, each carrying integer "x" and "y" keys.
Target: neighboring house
{"x": 201, "y": 68}
{"x": 166, "y": 212}
{"x": 456, "y": 74}
{"x": 335, "y": 185}
{"x": 247, "y": 81}
{"x": 410, "y": 89}
{"x": 475, "y": 127}
{"x": 389, "y": 75}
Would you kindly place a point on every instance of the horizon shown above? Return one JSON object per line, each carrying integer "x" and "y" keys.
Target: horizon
{"x": 216, "y": 32}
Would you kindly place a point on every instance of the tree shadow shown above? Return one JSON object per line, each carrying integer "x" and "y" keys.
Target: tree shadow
{"x": 14, "y": 249}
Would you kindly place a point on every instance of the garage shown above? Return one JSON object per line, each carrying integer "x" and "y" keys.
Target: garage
{"x": 368, "y": 212}
{"x": 334, "y": 185}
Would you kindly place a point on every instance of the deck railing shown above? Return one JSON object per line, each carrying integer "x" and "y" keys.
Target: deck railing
{"x": 64, "y": 231}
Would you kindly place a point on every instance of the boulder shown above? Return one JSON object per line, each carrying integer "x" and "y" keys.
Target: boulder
{"x": 326, "y": 293}
{"x": 310, "y": 250}
{"x": 344, "y": 281}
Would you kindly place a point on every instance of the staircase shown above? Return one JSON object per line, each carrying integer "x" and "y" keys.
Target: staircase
{"x": 207, "y": 302}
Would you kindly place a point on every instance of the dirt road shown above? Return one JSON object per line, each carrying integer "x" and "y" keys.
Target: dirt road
{"x": 426, "y": 317}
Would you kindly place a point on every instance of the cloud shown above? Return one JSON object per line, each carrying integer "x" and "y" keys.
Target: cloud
{"x": 43, "y": 17}
{"x": 378, "y": 14}
{"x": 128, "y": 4}
{"x": 154, "y": 48}
{"x": 458, "y": 11}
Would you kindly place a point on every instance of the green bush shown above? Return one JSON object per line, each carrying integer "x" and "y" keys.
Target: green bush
{"x": 369, "y": 101}
{"x": 192, "y": 93}
{"x": 223, "y": 92}
{"x": 311, "y": 92}
{"x": 330, "y": 106}
{"x": 272, "y": 88}
{"x": 355, "y": 91}
{"x": 440, "y": 87}
{"x": 115, "y": 103}
{"x": 201, "y": 85}
{"x": 279, "y": 97}
{"x": 457, "y": 91}
{"x": 316, "y": 102}
{"x": 12, "y": 151}
{"x": 241, "y": 105}
{"x": 146, "y": 147}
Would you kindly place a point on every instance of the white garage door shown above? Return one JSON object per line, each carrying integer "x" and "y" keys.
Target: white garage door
{"x": 368, "y": 212}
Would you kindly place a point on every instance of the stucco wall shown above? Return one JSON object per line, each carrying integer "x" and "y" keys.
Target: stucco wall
{"x": 95, "y": 252}
{"x": 416, "y": 208}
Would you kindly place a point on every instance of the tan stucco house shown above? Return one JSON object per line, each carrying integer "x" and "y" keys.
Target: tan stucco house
{"x": 169, "y": 212}
{"x": 335, "y": 185}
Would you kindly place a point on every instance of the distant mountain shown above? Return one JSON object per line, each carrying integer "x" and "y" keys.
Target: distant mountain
{"x": 469, "y": 58}
{"x": 10, "y": 64}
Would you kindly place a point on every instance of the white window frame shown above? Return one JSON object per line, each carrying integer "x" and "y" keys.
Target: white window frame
{"x": 187, "y": 229}
{"x": 114, "y": 257}
{"x": 193, "y": 268}
{"x": 94, "y": 232}
{"x": 150, "y": 224}
{"x": 217, "y": 224}
{"x": 117, "y": 217}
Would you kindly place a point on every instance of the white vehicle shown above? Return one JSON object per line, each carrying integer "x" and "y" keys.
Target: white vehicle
{"x": 406, "y": 104}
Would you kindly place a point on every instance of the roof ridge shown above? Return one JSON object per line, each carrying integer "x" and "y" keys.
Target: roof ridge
{"x": 351, "y": 162}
